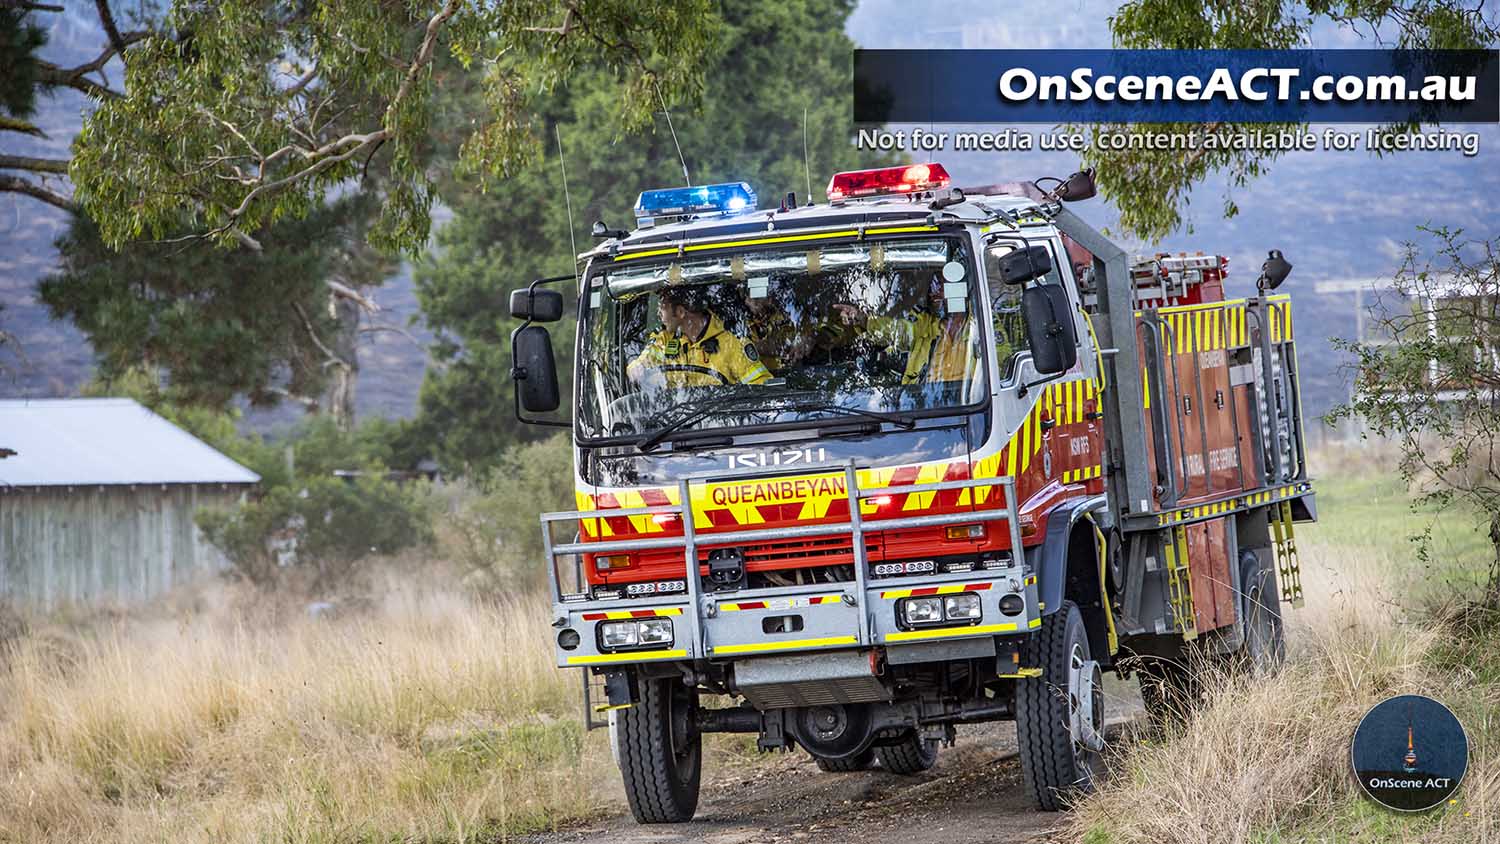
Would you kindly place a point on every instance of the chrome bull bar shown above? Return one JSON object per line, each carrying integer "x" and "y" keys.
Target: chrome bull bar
{"x": 692, "y": 604}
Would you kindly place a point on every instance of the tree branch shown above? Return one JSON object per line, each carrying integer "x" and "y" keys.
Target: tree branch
{"x": 12, "y": 184}
{"x": 77, "y": 77}
{"x": 11, "y": 124}
{"x": 35, "y": 165}
{"x": 344, "y": 291}
{"x": 107, "y": 18}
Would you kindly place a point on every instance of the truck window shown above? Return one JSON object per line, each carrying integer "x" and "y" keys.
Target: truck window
{"x": 787, "y": 334}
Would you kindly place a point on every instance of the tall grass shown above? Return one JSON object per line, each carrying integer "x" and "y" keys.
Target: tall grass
{"x": 1267, "y": 760}
{"x": 430, "y": 718}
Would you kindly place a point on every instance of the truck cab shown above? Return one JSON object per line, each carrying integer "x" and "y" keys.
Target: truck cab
{"x": 875, "y": 468}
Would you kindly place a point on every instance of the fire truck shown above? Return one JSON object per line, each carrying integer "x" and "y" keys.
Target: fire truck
{"x": 850, "y": 475}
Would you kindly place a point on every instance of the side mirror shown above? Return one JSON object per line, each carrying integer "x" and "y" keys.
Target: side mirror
{"x": 1049, "y": 329}
{"x": 1022, "y": 265}
{"x": 536, "y": 304}
{"x": 534, "y": 370}
{"x": 1080, "y": 185}
{"x": 1274, "y": 271}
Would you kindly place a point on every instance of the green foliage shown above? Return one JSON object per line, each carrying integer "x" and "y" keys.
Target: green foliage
{"x": 20, "y": 39}
{"x": 1152, "y": 187}
{"x": 772, "y": 63}
{"x": 219, "y": 323}
{"x": 251, "y": 111}
{"x": 329, "y": 522}
{"x": 1432, "y": 386}
{"x": 493, "y": 532}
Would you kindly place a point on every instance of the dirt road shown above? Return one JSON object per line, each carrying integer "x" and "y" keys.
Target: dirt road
{"x": 972, "y": 795}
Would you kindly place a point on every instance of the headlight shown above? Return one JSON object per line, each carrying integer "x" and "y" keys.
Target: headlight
{"x": 922, "y": 610}
{"x": 961, "y": 607}
{"x": 619, "y": 634}
{"x": 615, "y": 635}
{"x": 657, "y": 631}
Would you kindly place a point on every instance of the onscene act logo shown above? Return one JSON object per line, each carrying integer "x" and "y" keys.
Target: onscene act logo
{"x": 1410, "y": 753}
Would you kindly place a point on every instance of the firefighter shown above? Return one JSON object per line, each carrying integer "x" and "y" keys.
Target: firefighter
{"x": 694, "y": 349}
{"x": 938, "y": 344}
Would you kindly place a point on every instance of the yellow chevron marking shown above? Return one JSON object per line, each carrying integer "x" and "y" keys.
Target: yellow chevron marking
{"x": 636, "y": 656}
{"x": 788, "y": 645}
{"x": 950, "y": 632}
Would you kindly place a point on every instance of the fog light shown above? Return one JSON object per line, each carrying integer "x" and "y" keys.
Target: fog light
{"x": 965, "y": 531}
{"x": 605, "y": 562}
{"x": 922, "y": 610}
{"x": 656, "y": 631}
{"x": 568, "y": 639}
{"x": 619, "y": 634}
{"x": 1012, "y": 605}
{"x": 961, "y": 607}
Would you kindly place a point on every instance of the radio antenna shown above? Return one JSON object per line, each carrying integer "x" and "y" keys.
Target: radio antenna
{"x": 806, "y": 162}
{"x": 568, "y": 198}
{"x": 680, "y": 157}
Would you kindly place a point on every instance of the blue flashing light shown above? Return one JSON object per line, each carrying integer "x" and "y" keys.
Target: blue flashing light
{"x": 728, "y": 199}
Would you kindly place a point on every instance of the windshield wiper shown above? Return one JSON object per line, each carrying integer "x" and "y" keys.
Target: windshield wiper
{"x": 897, "y": 419}
{"x": 696, "y": 411}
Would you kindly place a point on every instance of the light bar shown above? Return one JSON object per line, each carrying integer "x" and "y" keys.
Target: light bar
{"x": 886, "y": 180}
{"x": 727, "y": 198}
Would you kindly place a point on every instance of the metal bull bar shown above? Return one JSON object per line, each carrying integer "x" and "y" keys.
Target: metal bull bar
{"x": 694, "y": 602}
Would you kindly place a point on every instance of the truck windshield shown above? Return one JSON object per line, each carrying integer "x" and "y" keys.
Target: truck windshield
{"x": 854, "y": 332}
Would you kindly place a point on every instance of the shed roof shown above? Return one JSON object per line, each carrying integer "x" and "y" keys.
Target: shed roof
{"x": 87, "y": 442}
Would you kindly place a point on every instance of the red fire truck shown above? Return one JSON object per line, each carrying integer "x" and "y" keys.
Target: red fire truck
{"x": 913, "y": 458}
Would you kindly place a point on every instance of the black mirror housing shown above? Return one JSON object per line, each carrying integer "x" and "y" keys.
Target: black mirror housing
{"x": 1049, "y": 329}
{"x": 1080, "y": 185}
{"x": 536, "y": 304}
{"x": 1023, "y": 265}
{"x": 533, "y": 367}
{"x": 1274, "y": 271}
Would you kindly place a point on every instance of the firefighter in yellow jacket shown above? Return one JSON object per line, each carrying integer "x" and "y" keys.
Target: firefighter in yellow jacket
{"x": 938, "y": 344}
{"x": 694, "y": 349}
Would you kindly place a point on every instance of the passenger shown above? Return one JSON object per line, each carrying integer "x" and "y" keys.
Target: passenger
{"x": 694, "y": 349}
{"x": 938, "y": 344}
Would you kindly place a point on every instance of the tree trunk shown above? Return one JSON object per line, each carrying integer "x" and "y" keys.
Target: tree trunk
{"x": 1492, "y": 589}
{"x": 345, "y": 346}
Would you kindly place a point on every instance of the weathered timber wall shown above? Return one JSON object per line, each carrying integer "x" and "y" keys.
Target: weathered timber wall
{"x": 103, "y": 545}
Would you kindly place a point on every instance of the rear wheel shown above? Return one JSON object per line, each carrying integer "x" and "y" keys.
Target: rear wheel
{"x": 912, "y": 755}
{"x": 1265, "y": 637}
{"x": 660, "y": 752}
{"x": 1060, "y": 715}
{"x": 857, "y": 762}
{"x": 1169, "y": 691}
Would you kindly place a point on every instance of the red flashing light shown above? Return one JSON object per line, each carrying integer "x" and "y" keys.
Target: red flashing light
{"x": 887, "y": 180}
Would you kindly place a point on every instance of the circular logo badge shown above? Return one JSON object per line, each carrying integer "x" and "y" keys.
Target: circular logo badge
{"x": 1410, "y": 753}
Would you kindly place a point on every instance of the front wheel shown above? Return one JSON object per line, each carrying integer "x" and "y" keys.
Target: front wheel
{"x": 660, "y": 752}
{"x": 1060, "y": 715}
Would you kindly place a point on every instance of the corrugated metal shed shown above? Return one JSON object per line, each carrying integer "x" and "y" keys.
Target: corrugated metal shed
{"x": 102, "y": 442}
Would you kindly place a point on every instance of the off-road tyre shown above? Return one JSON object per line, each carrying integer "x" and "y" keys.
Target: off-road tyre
{"x": 1264, "y": 651}
{"x": 1170, "y": 691}
{"x": 857, "y": 762}
{"x": 1053, "y": 769}
{"x": 661, "y": 752}
{"x": 912, "y": 755}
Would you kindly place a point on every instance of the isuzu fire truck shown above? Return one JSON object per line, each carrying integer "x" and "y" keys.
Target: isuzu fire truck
{"x": 864, "y": 471}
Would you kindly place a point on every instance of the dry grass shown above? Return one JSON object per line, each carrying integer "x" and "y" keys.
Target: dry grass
{"x": 1267, "y": 760}
{"x": 427, "y": 718}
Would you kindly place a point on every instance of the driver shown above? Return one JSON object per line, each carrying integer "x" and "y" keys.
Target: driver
{"x": 938, "y": 343}
{"x": 694, "y": 349}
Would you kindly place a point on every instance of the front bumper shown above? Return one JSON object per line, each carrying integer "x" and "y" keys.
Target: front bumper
{"x": 863, "y": 613}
